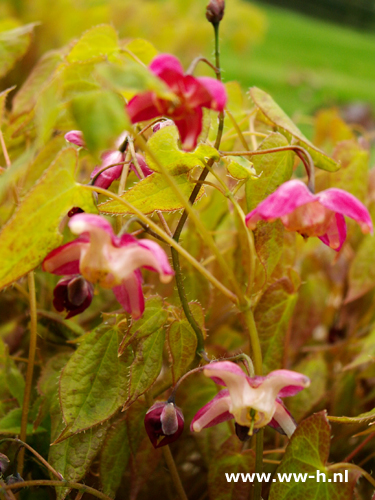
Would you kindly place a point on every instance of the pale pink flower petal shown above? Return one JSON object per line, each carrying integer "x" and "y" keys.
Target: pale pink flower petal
{"x": 282, "y": 420}
{"x": 158, "y": 260}
{"x": 213, "y": 413}
{"x": 336, "y": 233}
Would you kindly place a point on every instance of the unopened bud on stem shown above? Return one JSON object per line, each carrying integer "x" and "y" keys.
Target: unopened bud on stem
{"x": 215, "y": 11}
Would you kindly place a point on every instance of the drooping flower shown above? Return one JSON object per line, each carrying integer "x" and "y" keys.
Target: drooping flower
{"x": 164, "y": 423}
{"x": 191, "y": 95}
{"x": 320, "y": 215}
{"x": 253, "y": 402}
{"x": 112, "y": 262}
{"x": 73, "y": 294}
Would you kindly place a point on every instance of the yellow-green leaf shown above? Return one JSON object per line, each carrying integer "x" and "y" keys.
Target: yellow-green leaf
{"x": 239, "y": 167}
{"x": 13, "y": 45}
{"x": 164, "y": 148}
{"x": 150, "y": 194}
{"x": 142, "y": 49}
{"x": 101, "y": 116}
{"x": 274, "y": 114}
{"x": 33, "y": 231}
{"x": 98, "y": 43}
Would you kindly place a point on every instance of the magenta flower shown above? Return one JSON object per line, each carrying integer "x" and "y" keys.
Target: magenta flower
{"x": 191, "y": 95}
{"x": 164, "y": 423}
{"x": 320, "y": 215}
{"x": 111, "y": 261}
{"x": 73, "y": 294}
{"x": 253, "y": 402}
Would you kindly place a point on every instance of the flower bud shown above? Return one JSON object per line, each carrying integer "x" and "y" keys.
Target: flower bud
{"x": 74, "y": 294}
{"x": 75, "y": 210}
{"x": 164, "y": 423}
{"x": 162, "y": 124}
{"x": 215, "y": 11}
{"x": 4, "y": 463}
{"x": 75, "y": 137}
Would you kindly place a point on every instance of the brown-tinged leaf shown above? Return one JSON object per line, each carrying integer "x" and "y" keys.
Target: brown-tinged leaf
{"x": 230, "y": 459}
{"x": 274, "y": 114}
{"x": 306, "y": 454}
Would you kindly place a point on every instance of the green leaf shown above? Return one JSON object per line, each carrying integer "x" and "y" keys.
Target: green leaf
{"x": 239, "y": 167}
{"x": 93, "y": 383}
{"x": 33, "y": 231}
{"x": 142, "y": 49}
{"x": 11, "y": 424}
{"x": 272, "y": 317}
{"x": 153, "y": 318}
{"x": 27, "y": 96}
{"x": 143, "y": 465}
{"x": 146, "y": 365}
{"x": 367, "y": 352}
{"x": 274, "y": 114}
{"x": 315, "y": 367}
{"x": 182, "y": 344}
{"x": 307, "y": 453}
{"x": 364, "y": 418}
{"x": 73, "y": 457}
{"x": 269, "y": 245}
{"x": 131, "y": 78}
{"x": 232, "y": 460}
{"x": 272, "y": 169}
{"x": 101, "y": 116}
{"x": 98, "y": 43}
{"x": 114, "y": 458}
{"x": 362, "y": 271}
{"x": 15, "y": 381}
{"x": 163, "y": 146}
{"x": 13, "y": 45}
{"x": 150, "y": 194}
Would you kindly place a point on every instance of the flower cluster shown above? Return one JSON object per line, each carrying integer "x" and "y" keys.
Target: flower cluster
{"x": 103, "y": 258}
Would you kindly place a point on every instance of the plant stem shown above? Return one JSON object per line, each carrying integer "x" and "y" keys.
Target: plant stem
{"x": 167, "y": 239}
{"x": 359, "y": 447}
{"x": 258, "y": 464}
{"x": 254, "y": 341}
{"x": 174, "y": 472}
{"x": 39, "y": 457}
{"x": 61, "y": 484}
{"x": 30, "y": 368}
{"x": 237, "y": 129}
{"x": 345, "y": 465}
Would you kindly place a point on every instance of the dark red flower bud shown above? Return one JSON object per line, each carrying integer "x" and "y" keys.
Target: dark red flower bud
{"x": 215, "y": 11}
{"x": 164, "y": 423}
{"x": 74, "y": 294}
{"x": 75, "y": 210}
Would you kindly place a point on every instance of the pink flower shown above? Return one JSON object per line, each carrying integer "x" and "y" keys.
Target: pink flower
{"x": 164, "y": 423}
{"x": 253, "y": 402}
{"x": 111, "y": 261}
{"x": 320, "y": 215}
{"x": 191, "y": 95}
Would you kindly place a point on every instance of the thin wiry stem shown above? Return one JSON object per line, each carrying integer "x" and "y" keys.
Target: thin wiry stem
{"x": 30, "y": 368}
{"x": 61, "y": 484}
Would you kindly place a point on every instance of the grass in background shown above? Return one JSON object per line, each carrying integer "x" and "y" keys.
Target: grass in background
{"x": 306, "y": 63}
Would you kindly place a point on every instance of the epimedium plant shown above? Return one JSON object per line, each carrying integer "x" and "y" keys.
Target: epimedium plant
{"x": 189, "y": 167}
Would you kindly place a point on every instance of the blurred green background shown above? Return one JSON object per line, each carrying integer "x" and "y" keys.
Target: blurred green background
{"x": 304, "y": 62}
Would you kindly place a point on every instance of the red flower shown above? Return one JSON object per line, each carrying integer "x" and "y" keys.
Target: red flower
{"x": 164, "y": 423}
{"x": 192, "y": 94}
